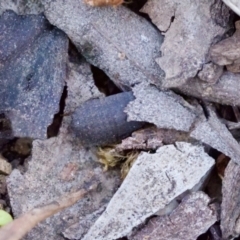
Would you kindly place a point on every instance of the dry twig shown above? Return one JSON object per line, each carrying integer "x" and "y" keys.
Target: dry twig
{"x": 21, "y": 226}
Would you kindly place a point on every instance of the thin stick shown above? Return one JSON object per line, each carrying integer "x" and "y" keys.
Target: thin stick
{"x": 21, "y": 226}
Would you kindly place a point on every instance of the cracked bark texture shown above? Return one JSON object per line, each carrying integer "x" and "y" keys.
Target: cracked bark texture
{"x": 59, "y": 165}
{"x": 214, "y": 133}
{"x": 106, "y": 39}
{"x": 32, "y": 73}
{"x": 22, "y": 6}
{"x": 190, "y": 219}
{"x": 225, "y": 91}
{"x": 161, "y": 177}
{"x": 190, "y": 28}
{"x": 164, "y": 109}
{"x": 230, "y": 212}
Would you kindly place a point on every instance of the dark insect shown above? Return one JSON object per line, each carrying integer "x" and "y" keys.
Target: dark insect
{"x": 103, "y": 121}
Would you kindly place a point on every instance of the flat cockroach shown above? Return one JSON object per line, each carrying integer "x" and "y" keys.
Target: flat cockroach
{"x": 99, "y": 3}
{"x": 99, "y": 122}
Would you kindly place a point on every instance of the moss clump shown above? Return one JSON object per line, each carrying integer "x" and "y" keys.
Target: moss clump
{"x": 110, "y": 158}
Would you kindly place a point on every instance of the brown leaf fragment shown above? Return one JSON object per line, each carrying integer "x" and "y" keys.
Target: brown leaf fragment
{"x": 221, "y": 164}
{"x": 227, "y": 52}
{"x": 230, "y": 213}
{"x": 190, "y": 28}
{"x": 190, "y": 219}
{"x": 146, "y": 139}
{"x": 99, "y": 3}
{"x": 19, "y": 227}
{"x": 151, "y": 138}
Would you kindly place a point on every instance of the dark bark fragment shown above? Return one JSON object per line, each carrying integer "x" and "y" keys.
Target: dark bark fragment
{"x": 19, "y": 32}
{"x": 103, "y": 121}
{"x": 32, "y": 74}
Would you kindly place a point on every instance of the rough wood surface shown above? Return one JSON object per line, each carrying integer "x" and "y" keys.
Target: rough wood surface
{"x": 227, "y": 52}
{"x": 22, "y": 6}
{"x": 152, "y": 183}
{"x": 32, "y": 73}
{"x": 230, "y": 212}
{"x": 190, "y": 219}
{"x": 225, "y": 91}
{"x": 150, "y": 138}
{"x": 190, "y": 28}
{"x": 59, "y": 165}
{"x": 18, "y": 228}
{"x": 106, "y": 38}
{"x": 163, "y": 109}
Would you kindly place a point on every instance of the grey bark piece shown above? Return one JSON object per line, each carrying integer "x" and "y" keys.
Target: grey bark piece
{"x": 188, "y": 36}
{"x": 225, "y": 91}
{"x": 230, "y": 212}
{"x": 80, "y": 85}
{"x": 106, "y": 38}
{"x": 212, "y": 132}
{"x": 56, "y": 168}
{"x": 190, "y": 219}
{"x": 60, "y": 165}
{"x": 152, "y": 183}
{"x": 32, "y": 76}
{"x": 164, "y": 109}
{"x": 22, "y": 6}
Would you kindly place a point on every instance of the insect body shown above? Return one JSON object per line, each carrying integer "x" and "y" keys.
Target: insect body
{"x": 99, "y": 3}
{"x": 99, "y": 122}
